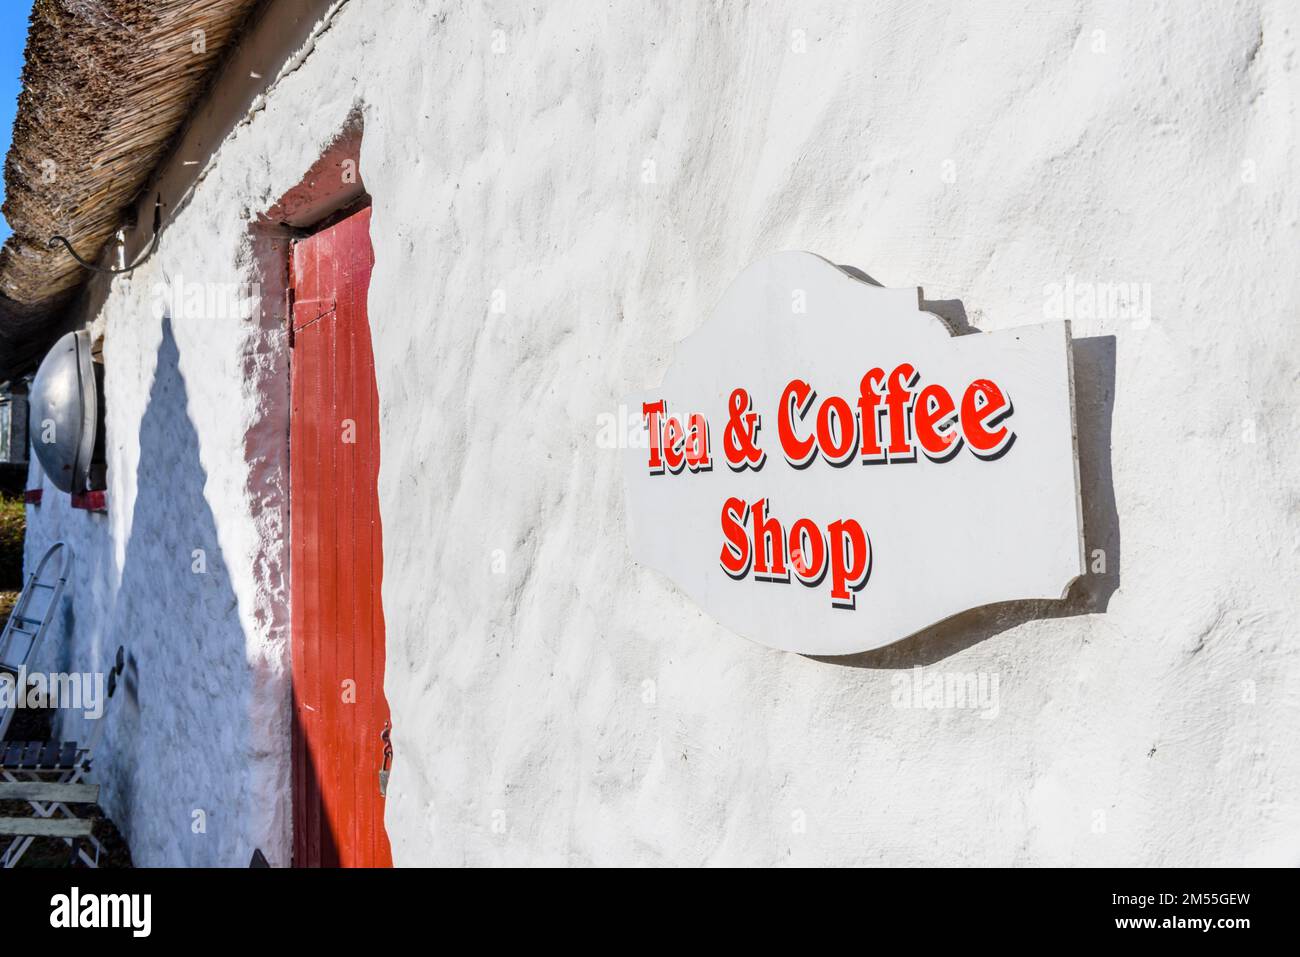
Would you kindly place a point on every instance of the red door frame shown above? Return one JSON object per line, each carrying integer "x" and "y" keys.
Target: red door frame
{"x": 340, "y": 714}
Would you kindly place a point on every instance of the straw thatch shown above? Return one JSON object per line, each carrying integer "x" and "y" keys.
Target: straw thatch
{"x": 106, "y": 86}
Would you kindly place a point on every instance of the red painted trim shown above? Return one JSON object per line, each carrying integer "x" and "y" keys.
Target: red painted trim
{"x": 33, "y": 496}
{"x": 91, "y": 501}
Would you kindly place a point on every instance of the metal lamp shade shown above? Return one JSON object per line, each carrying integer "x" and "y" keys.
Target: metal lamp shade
{"x": 65, "y": 413}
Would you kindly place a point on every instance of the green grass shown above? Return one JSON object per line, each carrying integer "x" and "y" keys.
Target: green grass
{"x": 13, "y": 525}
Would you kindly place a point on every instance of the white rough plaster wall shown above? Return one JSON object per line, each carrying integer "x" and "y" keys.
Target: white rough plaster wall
{"x": 180, "y": 574}
{"x": 1151, "y": 721}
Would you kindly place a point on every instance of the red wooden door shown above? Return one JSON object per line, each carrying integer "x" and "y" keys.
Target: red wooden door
{"x": 339, "y": 709}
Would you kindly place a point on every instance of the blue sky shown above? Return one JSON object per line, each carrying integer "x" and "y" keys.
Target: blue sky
{"x": 13, "y": 37}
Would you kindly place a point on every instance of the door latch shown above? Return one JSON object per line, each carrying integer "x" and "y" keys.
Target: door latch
{"x": 387, "y": 761}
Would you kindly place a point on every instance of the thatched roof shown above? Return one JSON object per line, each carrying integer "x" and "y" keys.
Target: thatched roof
{"x": 107, "y": 84}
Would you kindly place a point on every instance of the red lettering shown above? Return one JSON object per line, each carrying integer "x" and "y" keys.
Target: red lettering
{"x": 769, "y": 544}
{"x": 796, "y": 399}
{"x": 850, "y": 561}
{"x": 740, "y": 437}
{"x": 844, "y": 549}
{"x": 976, "y": 417}
{"x": 836, "y": 433}
{"x": 933, "y": 422}
{"x": 652, "y": 412}
{"x": 869, "y": 415}
{"x": 898, "y": 402}
{"x": 807, "y": 551}
{"x": 735, "y": 552}
{"x": 698, "y": 458}
{"x": 674, "y": 454}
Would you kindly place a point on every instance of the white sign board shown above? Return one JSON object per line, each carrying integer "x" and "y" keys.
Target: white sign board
{"x": 826, "y": 469}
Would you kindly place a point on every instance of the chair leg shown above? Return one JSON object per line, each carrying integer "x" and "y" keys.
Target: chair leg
{"x": 16, "y": 849}
{"x": 88, "y": 859}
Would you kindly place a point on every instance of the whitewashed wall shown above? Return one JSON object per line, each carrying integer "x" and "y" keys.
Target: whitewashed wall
{"x": 605, "y": 171}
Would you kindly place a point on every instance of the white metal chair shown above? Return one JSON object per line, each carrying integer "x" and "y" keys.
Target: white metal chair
{"x": 50, "y": 776}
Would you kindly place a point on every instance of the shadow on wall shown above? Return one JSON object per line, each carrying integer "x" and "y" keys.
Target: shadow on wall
{"x": 179, "y": 765}
{"x": 1094, "y": 401}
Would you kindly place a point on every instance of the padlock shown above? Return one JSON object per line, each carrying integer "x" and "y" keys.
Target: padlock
{"x": 386, "y": 761}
